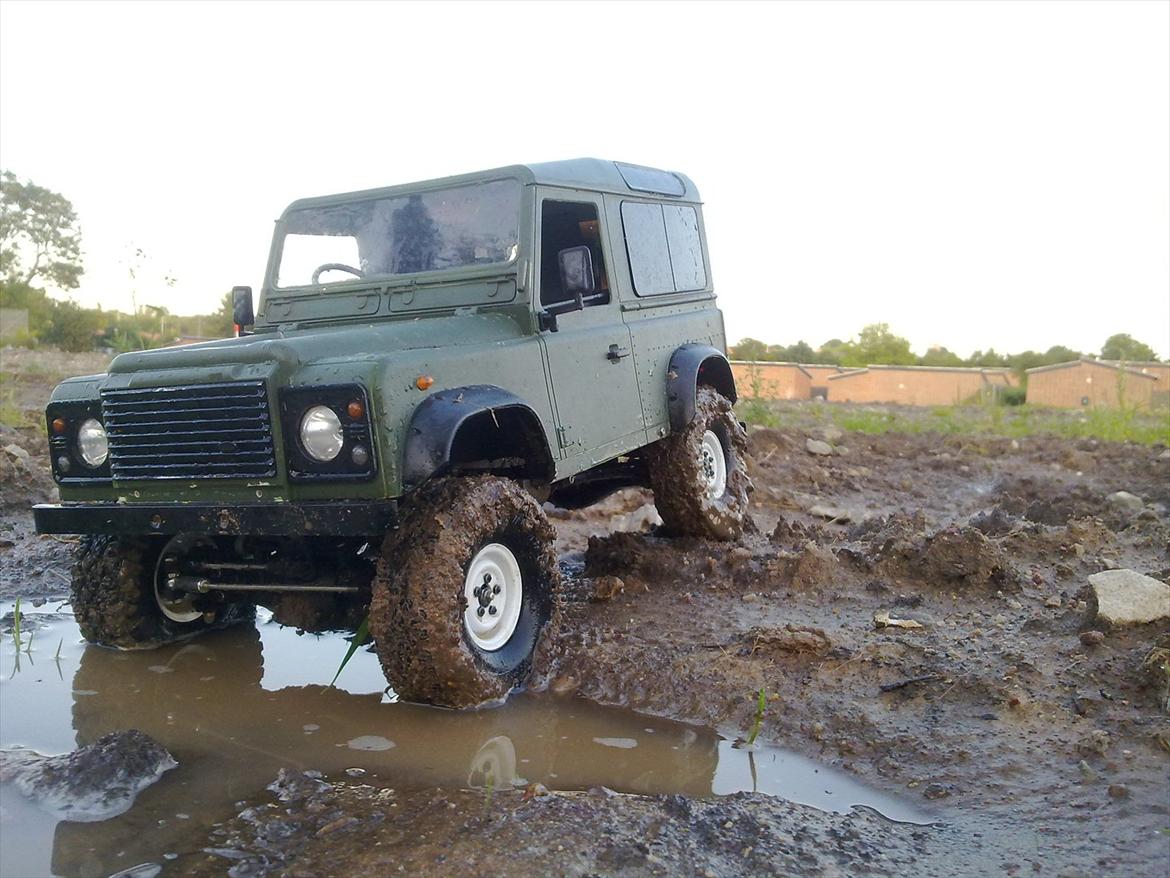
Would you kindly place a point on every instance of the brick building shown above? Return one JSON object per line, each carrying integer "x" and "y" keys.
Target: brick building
{"x": 764, "y": 380}
{"x": 1087, "y": 383}
{"x": 819, "y": 375}
{"x": 918, "y": 385}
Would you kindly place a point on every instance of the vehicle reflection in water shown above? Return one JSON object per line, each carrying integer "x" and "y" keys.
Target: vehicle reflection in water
{"x": 237, "y": 706}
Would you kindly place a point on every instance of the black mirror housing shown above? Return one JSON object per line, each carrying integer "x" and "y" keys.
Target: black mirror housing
{"x": 243, "y": 315}
{"x": 576, "y": 266}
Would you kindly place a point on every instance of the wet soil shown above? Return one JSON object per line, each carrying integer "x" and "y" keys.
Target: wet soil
{"x": 915, "y": 607}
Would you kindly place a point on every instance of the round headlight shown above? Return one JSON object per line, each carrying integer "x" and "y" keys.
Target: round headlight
{"x": 92, "y": 444}
{"x": 321, "y": 433}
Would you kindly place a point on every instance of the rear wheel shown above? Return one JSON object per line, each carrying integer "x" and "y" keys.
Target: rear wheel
{"x": 700, "y": 485}
{"x": 121, "y": 597}
{"x": 464, "y": 590}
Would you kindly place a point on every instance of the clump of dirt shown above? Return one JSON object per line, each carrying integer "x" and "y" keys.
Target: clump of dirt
{"x": 315, "y": 826}
{"x": 954, "y": 557}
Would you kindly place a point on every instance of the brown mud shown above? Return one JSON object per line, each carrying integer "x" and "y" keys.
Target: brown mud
{"x": 915, "y": 607}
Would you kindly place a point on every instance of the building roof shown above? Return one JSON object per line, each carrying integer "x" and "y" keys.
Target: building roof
{"x": 967, "y": 370}
{"x": 595, "y": 175}
{"x": 771, "y": 363}
{"x": 1089, "y": 361}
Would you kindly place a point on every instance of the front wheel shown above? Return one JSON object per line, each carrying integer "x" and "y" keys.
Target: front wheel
{"x": 463, "y": 592}
{"x": 120, "y": 596}
{"x": 697, "y": 474}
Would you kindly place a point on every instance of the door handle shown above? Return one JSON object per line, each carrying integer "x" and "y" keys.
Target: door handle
{"x": 616, "y": 353}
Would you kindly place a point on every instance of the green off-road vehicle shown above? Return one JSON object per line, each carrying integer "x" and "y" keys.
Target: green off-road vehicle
{"x": 427, "y": 366}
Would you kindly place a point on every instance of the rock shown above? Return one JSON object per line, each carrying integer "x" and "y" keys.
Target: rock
{"x": 936, "y": 790}
{"x": 1126, "y": 502}
{"x": 16, "y": 452}
{"x": 831, "y": 433}
{"x": 822, "y": 510}
{"x": 1126, "y": 597}
{"x": 606, "y": 587}
{"x": 1118, "y": 791}
{"x": 643, "y": 518}
{"x": 1165, "y": 455}
{"x": 93, "y": 783}
{"x": 1092, "y": 638}
{"x": 816, "y": 446}
{"x": 1054, "y": 601}
{"x": 563, "y": 685}
{"x": 883, "y": 619}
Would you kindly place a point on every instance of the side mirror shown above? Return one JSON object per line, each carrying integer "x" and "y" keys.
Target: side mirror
{"x": 242, "y": 314}
{"x": 576, "y": 265}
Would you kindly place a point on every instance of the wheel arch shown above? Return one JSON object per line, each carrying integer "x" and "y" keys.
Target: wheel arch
{"x": 693, "y": 366}
{"x": 467, "y": 424}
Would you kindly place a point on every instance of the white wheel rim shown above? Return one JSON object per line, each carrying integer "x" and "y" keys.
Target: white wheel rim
{"x": 174, "y": 604}
{"x": 494, "y": 590}
{"x": 712, "y": 466}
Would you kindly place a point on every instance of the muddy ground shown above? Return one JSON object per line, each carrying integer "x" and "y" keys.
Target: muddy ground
{"x": 1039, "y": 736}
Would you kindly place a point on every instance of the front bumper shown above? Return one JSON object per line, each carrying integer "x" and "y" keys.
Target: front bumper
{"x": 324, "y": 518}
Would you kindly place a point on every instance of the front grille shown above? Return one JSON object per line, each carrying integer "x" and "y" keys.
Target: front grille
{"x": 201, "y": 431}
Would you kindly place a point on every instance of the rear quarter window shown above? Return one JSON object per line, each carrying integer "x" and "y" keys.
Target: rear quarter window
{"x": 664, "y": 247}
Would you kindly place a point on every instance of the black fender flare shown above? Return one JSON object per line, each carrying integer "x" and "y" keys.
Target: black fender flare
{"x": 437, "y": 421}
{"x": 693, "y": 365}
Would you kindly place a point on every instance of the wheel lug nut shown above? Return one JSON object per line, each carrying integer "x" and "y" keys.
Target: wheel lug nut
{"x": 491, "y": 610}
{"x": 487, "y": 578}
{"x": 495, "y": 589}
{"x": 479, "y": 612}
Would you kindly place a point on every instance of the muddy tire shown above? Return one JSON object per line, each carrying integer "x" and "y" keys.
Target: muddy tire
{"x": 113, "y": 596}
{"x": 466, "y": 546}
{"x": 697, "y": 474}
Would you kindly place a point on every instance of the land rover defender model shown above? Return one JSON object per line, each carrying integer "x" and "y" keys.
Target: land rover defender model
{"x": 427, "y": 365}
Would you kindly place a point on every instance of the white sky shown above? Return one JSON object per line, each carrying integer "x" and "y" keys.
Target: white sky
{"x": 974, "y": 174}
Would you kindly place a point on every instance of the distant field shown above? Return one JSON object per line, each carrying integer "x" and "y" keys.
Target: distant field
{"x": 1113, "y": 425}
{"x": 28, "y": 377}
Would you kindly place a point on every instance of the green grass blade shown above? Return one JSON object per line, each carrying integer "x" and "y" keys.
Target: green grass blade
{"x": 360, "y": 638}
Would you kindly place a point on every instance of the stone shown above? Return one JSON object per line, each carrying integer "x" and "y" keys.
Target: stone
{"x": 833, "y": 513}
{"x": 1092, "y": 638}
{"x": 1123, "y": 501}
{"x": 1118, "y": 791}
{"x": 1126, "y": 597}
{"x": 16, "y": 452}
{"x": 93, "y": 783}
{"x": 831, "y": 433}
{"x": 816, "y": 446}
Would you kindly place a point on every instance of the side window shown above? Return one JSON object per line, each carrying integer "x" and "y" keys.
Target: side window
{"x": 565, "y": 224}
{"x": 666, "y": 253}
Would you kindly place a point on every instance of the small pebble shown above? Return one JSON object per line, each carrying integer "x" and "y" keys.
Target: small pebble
{"x": 1092, "y": 638}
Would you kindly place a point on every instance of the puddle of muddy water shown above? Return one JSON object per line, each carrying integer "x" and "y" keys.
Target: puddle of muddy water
{"x": 237, "y": 706}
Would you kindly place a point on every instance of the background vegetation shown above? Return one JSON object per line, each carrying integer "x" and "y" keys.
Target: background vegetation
{"x": 40, "y": 245}
{"x": 876, "y": 344}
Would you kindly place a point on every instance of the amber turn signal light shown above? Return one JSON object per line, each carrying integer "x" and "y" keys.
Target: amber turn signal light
{"x": 59, "y": 425}
{"x": 424, "y": 382}
{"x": 355, "y": 409}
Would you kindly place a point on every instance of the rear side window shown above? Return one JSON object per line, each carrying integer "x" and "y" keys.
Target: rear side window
{"x": 666, "y": 254}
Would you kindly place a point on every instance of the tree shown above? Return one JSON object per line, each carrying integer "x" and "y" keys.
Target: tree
{"x": 876, "y": 344}
{"x": 833, "y": 352}
{"x": 39, "y": 235}
{"x": 748, "y": 349}
{"x": 1122, "y": 346}
{"x": 940, "y": 356}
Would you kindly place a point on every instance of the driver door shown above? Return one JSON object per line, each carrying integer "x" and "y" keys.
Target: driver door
{"x": 595, "y": 387}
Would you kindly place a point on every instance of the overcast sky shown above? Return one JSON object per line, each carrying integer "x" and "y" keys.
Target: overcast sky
{"x": 973, "y": 174}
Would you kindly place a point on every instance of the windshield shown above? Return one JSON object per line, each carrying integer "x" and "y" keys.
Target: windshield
{"x": 476, "y": 224}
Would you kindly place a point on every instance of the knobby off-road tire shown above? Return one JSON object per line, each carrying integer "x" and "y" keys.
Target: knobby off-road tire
{"x": 684, "y": 472}
{"x": 420, "y": 591}
{"x": 113, "y": 596}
